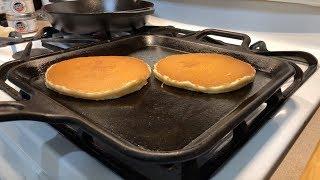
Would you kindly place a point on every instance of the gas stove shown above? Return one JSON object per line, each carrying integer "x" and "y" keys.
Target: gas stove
{"x": 100, "y": 163}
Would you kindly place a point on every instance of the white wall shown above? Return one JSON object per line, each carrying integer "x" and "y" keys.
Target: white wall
{"x": 308, "y": 2}
{"x": 250, "y": 15}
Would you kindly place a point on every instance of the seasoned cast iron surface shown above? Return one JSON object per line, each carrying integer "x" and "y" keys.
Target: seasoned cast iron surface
{"x": 155, "y": 118}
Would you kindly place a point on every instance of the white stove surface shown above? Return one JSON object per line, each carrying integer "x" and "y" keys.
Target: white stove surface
{"x": 33, "y": 150}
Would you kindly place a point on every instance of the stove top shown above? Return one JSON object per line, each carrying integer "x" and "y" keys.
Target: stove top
{"x": 91, "y": 145}
{"x": 53, "y": 40}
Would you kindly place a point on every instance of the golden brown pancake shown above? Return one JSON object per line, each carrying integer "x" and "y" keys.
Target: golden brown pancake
{"x": 204, "y": 72}
{"x": 98, "y": 77}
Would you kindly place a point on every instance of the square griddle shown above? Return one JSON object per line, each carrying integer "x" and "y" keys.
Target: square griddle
{"x": 163, "y": 124}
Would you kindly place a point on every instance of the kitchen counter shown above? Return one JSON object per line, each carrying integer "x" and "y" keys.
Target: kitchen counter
{"x": 293, "y": 164}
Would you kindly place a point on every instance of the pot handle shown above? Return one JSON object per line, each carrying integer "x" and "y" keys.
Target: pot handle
{"x": 200, "y": 35}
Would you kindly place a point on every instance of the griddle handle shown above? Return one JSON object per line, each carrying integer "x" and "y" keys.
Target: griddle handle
{"x": 3, "y": 77}
{"x": 13, "y": 110}
{"x": 298, "y": 77}
{"x": 304, "y": 57}
{"x": 200, "y": 35}
{"x": 260, "y": 47}
{"x": 19, "y": 110}
{"x": 300, "y": 56}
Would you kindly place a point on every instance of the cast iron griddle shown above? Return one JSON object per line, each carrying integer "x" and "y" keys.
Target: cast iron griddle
{"x": 155, "y": 123}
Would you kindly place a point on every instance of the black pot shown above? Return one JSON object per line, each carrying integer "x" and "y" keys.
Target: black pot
{"x": 90, "y": 16}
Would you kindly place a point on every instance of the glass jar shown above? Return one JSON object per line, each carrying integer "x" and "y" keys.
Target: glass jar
{"x": 17, "y": 6}
{"x": 23, "y": 23}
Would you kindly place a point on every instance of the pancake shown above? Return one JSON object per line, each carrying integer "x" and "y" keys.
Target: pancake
{"x": 98, "y": 77}
{"x": 204, "y": 72}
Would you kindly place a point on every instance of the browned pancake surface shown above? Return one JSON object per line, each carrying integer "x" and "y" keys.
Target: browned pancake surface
{"x": 204, "y": 70}
{"x": 97, "y": 74}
